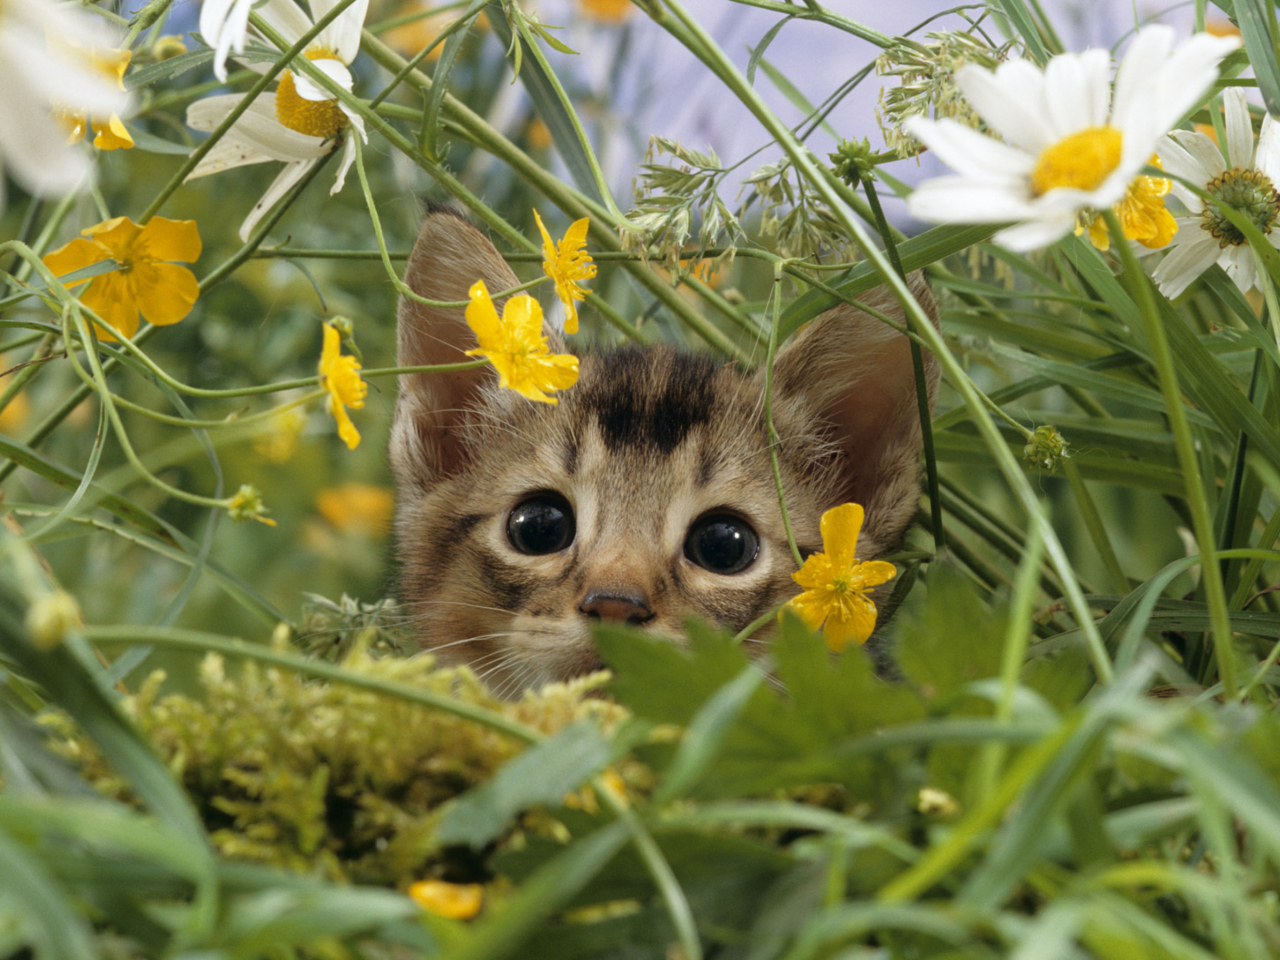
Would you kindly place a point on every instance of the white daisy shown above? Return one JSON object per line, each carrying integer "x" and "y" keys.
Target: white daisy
{"x": 1244, "y": 180}
{"x": 224, "y": 24}
{"x": 300, "y": 124}
{"x": 41, "y": 78}
{"x": 1072, "y": 144}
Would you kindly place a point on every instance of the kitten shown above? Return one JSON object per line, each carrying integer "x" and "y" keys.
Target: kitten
{"x": 646, "y": 495}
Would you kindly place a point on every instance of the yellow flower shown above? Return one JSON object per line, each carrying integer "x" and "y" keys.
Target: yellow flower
{"x": 836, "y": 582}
{"x": 110, "y": 131}
{"x": 516, "y": 347}
{"x": 1142, "y": 214}
{"x": 357, "y": 508}
{"x": 606, "y": 11}
{"x": 340, "y": 375}
{"x": 566, "y": 265}
{"x": 457, "y": 901}
{"x": 247, "y": 505}
{"x": 143, "y": 281}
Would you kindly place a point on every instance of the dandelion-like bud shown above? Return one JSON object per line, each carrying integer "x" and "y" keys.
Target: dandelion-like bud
{"x": 1047, "y": 448}
{"x": 247, "y": 505}
{"x": 51, "y": 618}
{"x": 854, "y": 162}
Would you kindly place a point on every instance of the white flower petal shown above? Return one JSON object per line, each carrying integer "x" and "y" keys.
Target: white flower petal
{"x": 348, "y": 157}
{"x": 970, "y": 153}
{"x": 290, "y": 175}
{"x": 226, "y": 154}
{"x": 331, "y": 68}
{"x": 204, "y": 115}
{"x": 1077, "y": 91}
{"x": 285, "y": 17}
{"x": 1191, "y": 253}
{"x": 35, "y": 146}
{"x": 1187, "y": 76}
{"x": 1010, "y": 100}
{"x": 1239, "y": 128}
{"x": 259, "y": 127}
{"x": 1203, "y": 152}
{"x": 224, "y": 24}
{"x": 1268, "y": 156}
{"x": 1133, "y": 88}
{"x": 1178, "y": 162}
{"x": 961, "y": 200}
{"x": 1036, "y": 233}
{"x": 343, "y": 35}
{"x": 1240, "y": 266}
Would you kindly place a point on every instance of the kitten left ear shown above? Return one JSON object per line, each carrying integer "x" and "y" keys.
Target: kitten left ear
{"x": 855, "y": 373}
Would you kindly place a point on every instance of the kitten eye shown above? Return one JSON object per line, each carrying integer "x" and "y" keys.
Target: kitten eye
{"x": 722, "y": 543}
{"x": 541, "y": 524}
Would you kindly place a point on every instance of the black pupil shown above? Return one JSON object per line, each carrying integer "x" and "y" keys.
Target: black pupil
{"x": 541, "y": 524}
{"x": 722, "y": 544}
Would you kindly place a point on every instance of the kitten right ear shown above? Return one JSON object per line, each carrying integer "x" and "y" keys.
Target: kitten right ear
{"x": 449, "y": 256}
{"x": 855, "y": 373}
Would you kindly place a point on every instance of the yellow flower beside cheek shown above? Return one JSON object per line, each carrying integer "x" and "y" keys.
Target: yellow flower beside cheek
{"x": 110, "y": 133}
{"x": 836, "y": 582}
{"x": 567, "y": 264}
{"x": 144, "y": 282}
{"x": 457, "y": 901}
{"x": 340, "y": 375}
{"x": 514, "y": 344}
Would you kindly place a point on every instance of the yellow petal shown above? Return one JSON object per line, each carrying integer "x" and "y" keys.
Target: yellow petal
{"x": 482, "y": 317}
{"x": 811, "y": 607}
{"x": 872, "y": 573}
{"x": 165, "y": 239}
{"x": 522, "y": 318}
{"x": 76, "y": 255}
{"x": 548, "y": 245}
{"x": 840, "y": 527}
{"x": 114, "y": 135}
{"x": 117, "y": 235}
{"x": 851, "y": 623}
{"x": 111, "y": 297}
{"x": 457, "y": 901}
{"x": 816, "y": 573}
{"x": 166, "y": 292}
{"x": 346, "y": 429}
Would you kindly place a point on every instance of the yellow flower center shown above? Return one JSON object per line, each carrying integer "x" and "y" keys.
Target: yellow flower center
{"x": 315, "y": 118}
{"x": 1082, "y": 160}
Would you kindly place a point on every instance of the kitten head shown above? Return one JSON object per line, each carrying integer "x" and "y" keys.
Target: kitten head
{"x": 646, "y": 495}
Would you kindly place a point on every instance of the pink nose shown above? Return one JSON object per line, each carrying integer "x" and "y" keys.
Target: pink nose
{"x": 631, "y": 609}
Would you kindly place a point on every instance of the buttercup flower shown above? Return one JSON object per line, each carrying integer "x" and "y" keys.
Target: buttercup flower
{"x": 516, "y": 347}
{"x": 145, "y": 280}
{"x": 1070, "y": 147}
{"x": 1244, "y": 180}
{"x": 567, "y": 265}
{"x": 39, "y": 77}
{"x": 1142, "y": 214}
{"x": 110, "y": 133}
{"x": 340, "y": 375}
{"x": 457, "y": 901}
{"x": 301, "y": 124}
{"x": 836, "y": 582}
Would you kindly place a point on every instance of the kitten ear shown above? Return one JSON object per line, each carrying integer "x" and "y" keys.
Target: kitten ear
{"x": 449, "y": 256}
{"x": 855, "y": 373}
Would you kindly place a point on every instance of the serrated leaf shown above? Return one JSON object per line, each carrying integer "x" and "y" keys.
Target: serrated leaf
{"x": 543, "y": 774}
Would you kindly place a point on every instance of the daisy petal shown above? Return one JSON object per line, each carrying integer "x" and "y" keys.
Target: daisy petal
{"x": 1009, "y": 100}
{"x": 1076, "y": 91}
{"x": 1189, "y": 258}
{"x": 291, "y": 175}
{"x": 970, "y": 153}
{"x": 1239, "y": 128}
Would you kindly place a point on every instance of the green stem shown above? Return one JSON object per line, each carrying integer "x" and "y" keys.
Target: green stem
{"x": 773, "y": 438}
{"x": 1188, "y": 461}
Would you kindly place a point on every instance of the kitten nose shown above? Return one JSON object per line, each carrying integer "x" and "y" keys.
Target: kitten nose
{"x": 600, "y": 605}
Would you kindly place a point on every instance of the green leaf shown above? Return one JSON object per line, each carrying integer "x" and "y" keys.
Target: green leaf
{"x": 1258, "y": 29}
{"x": 542, "y": 774}
{"x": 165, "y": 69}
{"x": 954, "y": 640}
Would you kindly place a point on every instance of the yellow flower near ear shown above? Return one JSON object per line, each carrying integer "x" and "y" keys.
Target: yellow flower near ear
{"x": 516, "y": 347}
{"x": 836, "y": 582}
{"x": 144, "y": 281}
{"x": 340, "y": 375}
{"x": 110, "y": 133}
{"x": 457, "y": 901}
{"x": 566, "y": 265}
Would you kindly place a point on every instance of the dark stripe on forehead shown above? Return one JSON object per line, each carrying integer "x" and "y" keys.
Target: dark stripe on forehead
{"x": 570, "y": 456}
{"x": 649, "y": 399}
